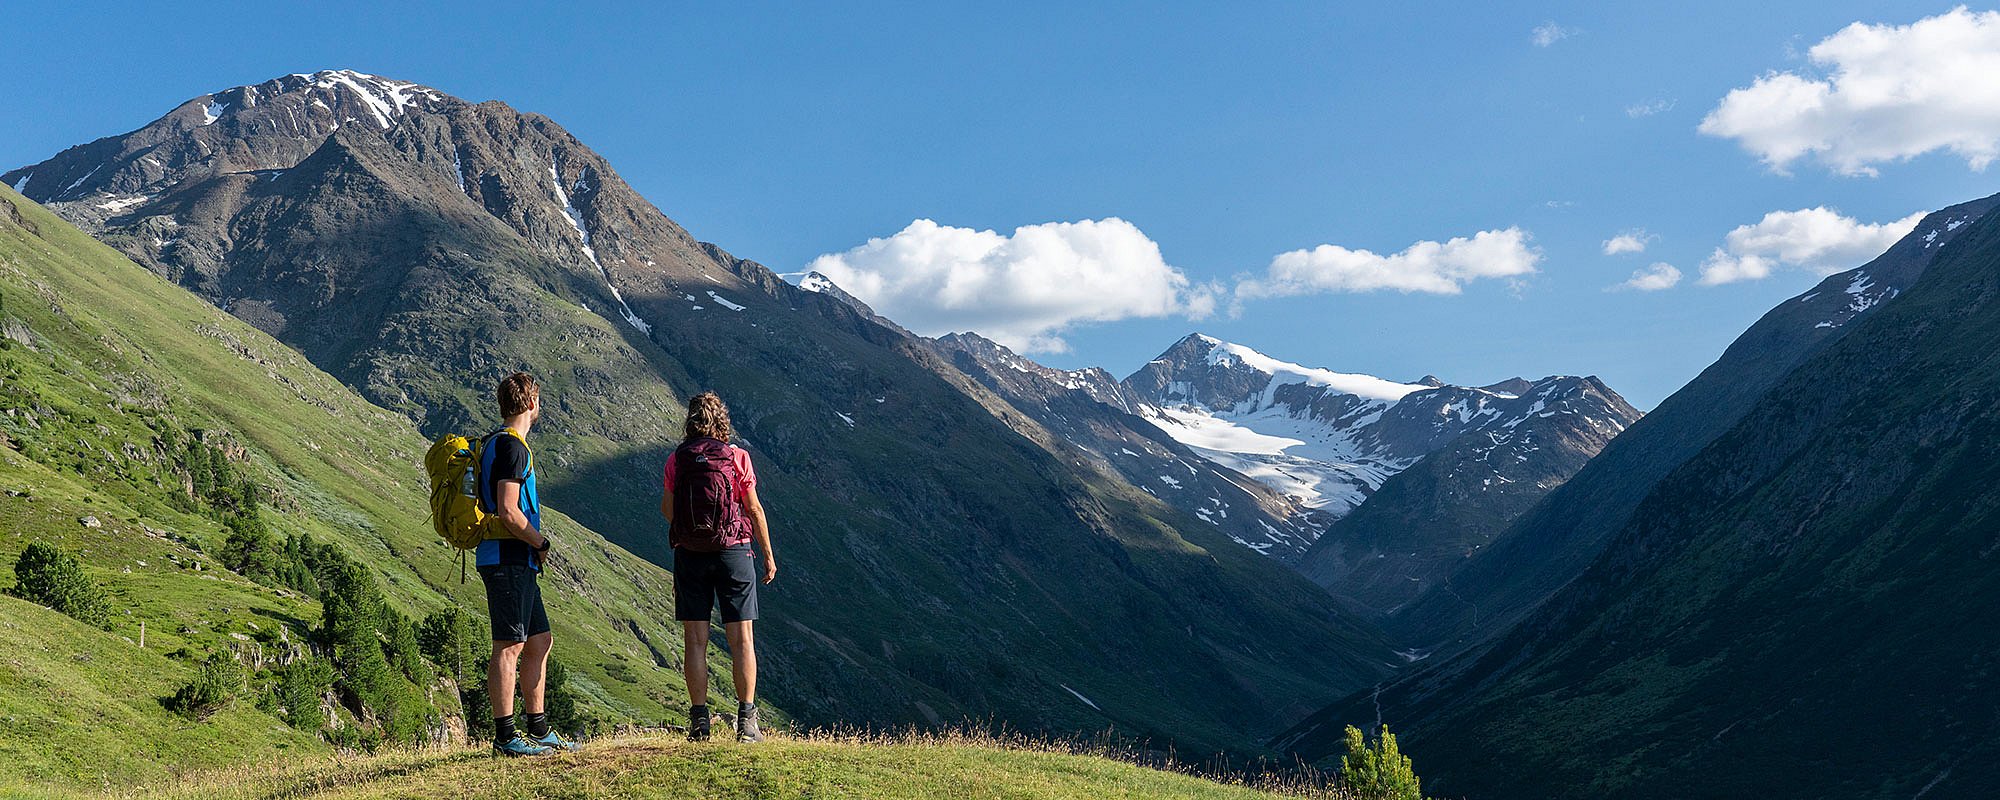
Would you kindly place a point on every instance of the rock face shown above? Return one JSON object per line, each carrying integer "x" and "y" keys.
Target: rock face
{"x": 1552, "y": 542}
{"x": 1331, "y": 441}
{"x": 1451, "y": 507}
{"x": 1097, "y": 420}
{"x": 939, "y": 563}
{"x": 1815, "y": 562}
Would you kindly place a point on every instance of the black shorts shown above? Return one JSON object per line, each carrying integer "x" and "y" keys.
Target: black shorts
{"x": 514, "y": 600}
{"x": 701, "y": 580}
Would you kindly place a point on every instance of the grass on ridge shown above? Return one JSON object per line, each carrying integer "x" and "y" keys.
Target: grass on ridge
{"x": 955, "y": 766}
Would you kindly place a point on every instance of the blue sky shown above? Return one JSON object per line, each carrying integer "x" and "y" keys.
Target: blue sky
{"x": 1225, "y": 133}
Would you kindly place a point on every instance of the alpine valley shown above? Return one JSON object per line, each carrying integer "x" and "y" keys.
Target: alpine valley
{"x": 1781, "y": 576}
{"x": 226, "y": 335}
{"x": 946, "y": 555}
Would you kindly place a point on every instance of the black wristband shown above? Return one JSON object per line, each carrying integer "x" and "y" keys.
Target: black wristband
{"x": 545, "y": 545}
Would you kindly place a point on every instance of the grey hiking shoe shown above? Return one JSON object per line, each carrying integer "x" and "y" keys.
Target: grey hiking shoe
{"x": 746, "y": 726}
{"x": 698, "y": 727}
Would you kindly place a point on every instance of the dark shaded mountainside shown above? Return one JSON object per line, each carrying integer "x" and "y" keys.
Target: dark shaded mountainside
{"x": 937, "y": 562}
{"x": 1558, "y": 537}
{"x": 1451, "y": 508}
{"x": 1800, "y": 607}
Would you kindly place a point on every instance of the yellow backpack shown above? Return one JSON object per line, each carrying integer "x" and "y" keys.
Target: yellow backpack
{"x": 453, "y": 464}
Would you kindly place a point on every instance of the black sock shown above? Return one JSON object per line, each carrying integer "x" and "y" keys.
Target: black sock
{"x": 699, "y": 712}
{"x": 745, "y": 708}
{"x": 503, "y": 729}
{"x": 538, "y": 725}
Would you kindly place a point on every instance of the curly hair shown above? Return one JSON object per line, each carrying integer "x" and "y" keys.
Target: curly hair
{"x": 707, "y": 417}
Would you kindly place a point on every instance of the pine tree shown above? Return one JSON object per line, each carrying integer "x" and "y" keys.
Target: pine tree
{"x": 216, "y": 682}
{"x": 1378, "y": 771}
{"x": 47, "y": 575}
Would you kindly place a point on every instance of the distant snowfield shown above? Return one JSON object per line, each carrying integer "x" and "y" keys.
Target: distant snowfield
{"x": 1302, "y": 458}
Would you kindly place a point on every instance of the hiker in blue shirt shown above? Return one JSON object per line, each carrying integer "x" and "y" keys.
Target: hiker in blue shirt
{"x": 510, "y": 568}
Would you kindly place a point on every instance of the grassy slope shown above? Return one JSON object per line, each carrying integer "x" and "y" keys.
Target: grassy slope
{"x": 660, "y": 767}
{"x": 116, "y": 349}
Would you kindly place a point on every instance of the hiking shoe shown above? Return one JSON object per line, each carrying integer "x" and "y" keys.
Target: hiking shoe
{"x": 556, "y": 743}
{"x": 746, "y": 726}
{"x": 698, "y": 729}
{"x": 519, "y": 746}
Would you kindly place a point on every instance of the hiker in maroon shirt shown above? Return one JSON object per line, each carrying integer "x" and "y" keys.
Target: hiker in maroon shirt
{"x": 711, "y": 507}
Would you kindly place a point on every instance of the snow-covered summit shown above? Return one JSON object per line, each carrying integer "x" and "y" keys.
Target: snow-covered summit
{"x": 385, "y": 99}
{"x": 1229, "y": 354}
{"x": 1329, "y": 439}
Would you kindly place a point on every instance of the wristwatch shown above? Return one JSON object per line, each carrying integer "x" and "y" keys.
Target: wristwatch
{"x": 545, "y": 545}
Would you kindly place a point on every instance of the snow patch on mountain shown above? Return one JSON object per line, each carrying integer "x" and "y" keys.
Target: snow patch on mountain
{"x": 576, "y": 221}
{"x": 22, "y": 184}
{"x": 1079, "y": 696}
{"x": 1226, "y": 354}
{"x": 385, "y": 99}
{"x": 725, "y": 303}
{"x": 815, "y": 282}
{"x": 212, "y": 112}
{"x": 1317, "y": 466}
{"x": 117, "y": 204}
{"x": 79, "y": 181}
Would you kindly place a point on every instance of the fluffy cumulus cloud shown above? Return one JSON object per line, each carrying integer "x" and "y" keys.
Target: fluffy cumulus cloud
{"x": 1889, "y": 92}
{"x": 1549, "y": 33}
{"x": 1021, "y": 290}
{"x": 1627, "y": 242}
{"x": 1436, "y": 267}
{"x": 1818, "y": 240}
{"x": 1660, "y": 275}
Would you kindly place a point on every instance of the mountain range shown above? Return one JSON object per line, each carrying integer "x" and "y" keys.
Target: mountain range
{"x": 1770, "y": 585}
{"x": 942, "y": 561}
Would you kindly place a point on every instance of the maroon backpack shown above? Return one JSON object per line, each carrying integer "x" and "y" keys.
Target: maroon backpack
{"x": 707, "y": 516}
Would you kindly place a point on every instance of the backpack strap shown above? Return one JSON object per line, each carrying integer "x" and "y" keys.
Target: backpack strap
{"x": 488, "y": 500}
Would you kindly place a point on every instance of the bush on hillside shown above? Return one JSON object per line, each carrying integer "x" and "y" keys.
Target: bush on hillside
{"x": 1378, "y": 770}
{"x": 216, "y": 683}
{"x": 47, "y": 575}
{"x": 296, "y": 691}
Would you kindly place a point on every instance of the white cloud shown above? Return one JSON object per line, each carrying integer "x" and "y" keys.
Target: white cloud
{"x": 1632, "y": 241}
{"x": 1439, "y": 268}
{"x": 1021, "y": 290}
{"x": 1660, "y": 275}
{"x": 1647, "y": 109}
{"x": 1893, "y": 93}
{"x": 1549, "y": 33}
{"x": 1817, "y": 240}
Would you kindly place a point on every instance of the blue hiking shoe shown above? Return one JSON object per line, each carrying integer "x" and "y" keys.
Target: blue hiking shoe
{"x": 519, "y": 746}
{"x": 556, "y": 743}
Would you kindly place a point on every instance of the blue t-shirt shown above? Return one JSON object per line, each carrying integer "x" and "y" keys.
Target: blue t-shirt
{"x": 505, "y": 458}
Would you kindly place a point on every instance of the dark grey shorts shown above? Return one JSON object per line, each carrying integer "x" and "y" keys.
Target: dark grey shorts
{"x": 514, "y": 600}
{"x": 704, "y": 580}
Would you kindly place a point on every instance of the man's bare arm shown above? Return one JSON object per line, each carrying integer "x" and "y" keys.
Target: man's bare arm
{"x": 514, "y": 519}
